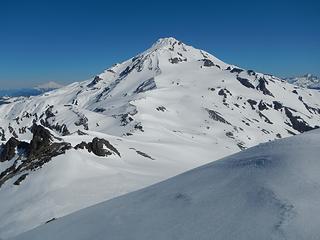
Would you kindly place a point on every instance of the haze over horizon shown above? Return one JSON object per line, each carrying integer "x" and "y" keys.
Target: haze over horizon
{"x": 72, "y": 41}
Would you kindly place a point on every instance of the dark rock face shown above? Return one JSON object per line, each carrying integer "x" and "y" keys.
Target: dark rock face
{"x": 97, "y": 147}
{"x": 262, "y": 106}
{"x": 99, "y": 110}
{"x": 82, "y": 121}
{"x": 241, "y": 145}
{"x": 137, "y": 64}
{"x": 236, "y": 70}
{"x": 80, "y": 133}
{"x": 267, "y": 120}
{"x": 51, "y": 220}
{"x": 222, "y": 93}
{"x": 252, "y": 103}
{"x": 94, "y": 81}
{"x": 207, "y": 63}
{"x": 41, "y": 139}
{"x": 9, "y": 149}
{"x": 44, "y": 120}
{"x": 309, "y": 108}
{"x": 125, "y": 118}
{"x": 105, "y": 91}
{"x": 144, "y": 154}
{"x": 11, "y": 130}
{"x": 262, "y": 87}
{"x": 177, "y": 60}
{"x": 251, "y": 73}
{"x": 139, "y": 127}
{"x": 2, "y": 134}
{"x": 146, "y": 86}
{"x": 20, "y": 179}
{"x": 245, "y": 82}
{"x": 297, "y": 122}
{"x": 277, "y": 105}
{"x": 161, "y": 108}
{"x": 30, "y": 156}
{"x": 57, "y": 127}
{"x": 216, "y": 116}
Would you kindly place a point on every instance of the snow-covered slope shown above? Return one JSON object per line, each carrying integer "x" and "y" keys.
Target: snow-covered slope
{"x": 306, "y": 81}
{"x": 167, "y": 110}
{"x": 270, "y": 191}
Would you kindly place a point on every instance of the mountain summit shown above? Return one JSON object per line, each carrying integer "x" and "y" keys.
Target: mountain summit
{"x": 48, "y": 86}
{"x": 167, "y": 110}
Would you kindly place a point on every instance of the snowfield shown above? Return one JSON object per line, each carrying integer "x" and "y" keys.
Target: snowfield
{"x": 270, "y": 191}
{"x": 165, "y": 111}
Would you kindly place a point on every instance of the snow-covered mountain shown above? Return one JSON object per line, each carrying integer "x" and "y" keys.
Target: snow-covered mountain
{"x": 306, "y": 81}
{"x": 45, "y": 87}
{"x": 19, "y": 92}
{"x": 27, "y": 92}
{"x": 270, "y": 191}
{"x": 166, "y": 110}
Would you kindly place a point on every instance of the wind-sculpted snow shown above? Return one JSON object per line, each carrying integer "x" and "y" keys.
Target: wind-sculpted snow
{"x": 167, "y": 110}
{"x": 270, "y": 191}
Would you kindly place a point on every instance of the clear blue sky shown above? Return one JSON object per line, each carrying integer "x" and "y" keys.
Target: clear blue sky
{"x": 68, "y": 40}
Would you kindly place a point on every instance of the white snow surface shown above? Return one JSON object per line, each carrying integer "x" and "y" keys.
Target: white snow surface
{"x": 181, "y": 106}
{"x": 270, "y": 191}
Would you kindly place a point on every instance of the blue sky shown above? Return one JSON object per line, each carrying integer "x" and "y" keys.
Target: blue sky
{"x": 68, "y": 41}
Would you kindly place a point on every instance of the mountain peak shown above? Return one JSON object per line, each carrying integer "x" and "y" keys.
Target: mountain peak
{"x": 166, "y": 42}
{"x": 49, "y": 85}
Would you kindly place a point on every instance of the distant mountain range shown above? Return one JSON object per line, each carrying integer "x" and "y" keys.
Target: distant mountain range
{"x": 26, "y": 92}
{"x": 306, "y": 81}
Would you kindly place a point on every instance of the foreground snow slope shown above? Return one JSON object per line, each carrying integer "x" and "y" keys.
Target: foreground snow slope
{"x": 169, "y": 109}
{"x": 270, "y": 191}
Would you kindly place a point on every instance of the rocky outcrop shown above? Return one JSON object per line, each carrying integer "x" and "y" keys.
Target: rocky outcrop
{"x": 207, "y": 63}
{"x": 10, "y": 148}
{"x": 262, "y": 87}
{"x": 236, "y": 70}
{"x": 245, "y": 82}
{"x": 216, "y": 116}
{"x": 297, "y": 123}
{"x": 30, "y": 156}
{"x": 94, "y": 81}
{"x": 42, "y": 146}
{"x": 44, "y": 120}
{"x": 147, "y": 85}
{"x": 252, "y": 103}
{"x": 99, "y": 147}
{"x": 177, "y": 60}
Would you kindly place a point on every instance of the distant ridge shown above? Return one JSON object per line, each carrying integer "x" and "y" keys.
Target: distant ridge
{"x": 27, "y": 92}
{"x": 49, "y": 86}
{"x": 307, "y": 81}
